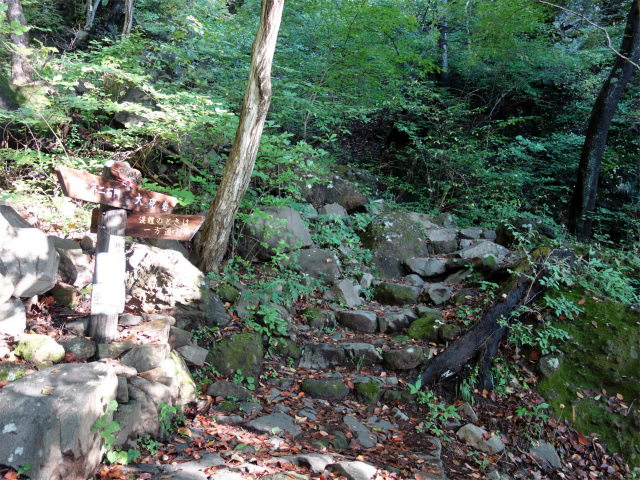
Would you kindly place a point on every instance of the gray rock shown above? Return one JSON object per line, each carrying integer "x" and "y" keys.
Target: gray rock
{"x": 322, "y": 356}
{"x": 251, "y": 408}
{"x": 333, "y": 210}
{"x": 155, "y": 331}
{"x": 548, "y": 365}
{"x": 122, "y": 395}
{"x": 464, "y": 243}
{"x": 179, "y": 338}
{"x": 136, "y": 419}
{"x": 28, "y": 257}
{"x": 88, "y": 242}
{"x": 158, "y": 392}
{"x": 358, "y": 320}
{"x": 365, "y": 437}
{"x": 399, "y": 414}
{"x": 423, "y": 310}
{"x": 427, "y": 267}
{"x": 13, "y": 317}
{"x": 173, "y": 373}
{"x": 405, "y": 358}
{"x": 414, "y": 280}
{"x": 47, "y": 418}
{"x": 448, "y": 332}
{"x": 325, "y": 389}
{"x": 524, "y": 225}
{"x": 335, "y": 190}
{"x": 240, "y": 351}
{"x": 423, "y": 220}
{"x": 393, "y": 322}
{"x": 457, "y": 278}
{"x": 193, "y": 354}
{"x": 318, "y": 263}
{"x": 82, "y": 348}
{"x": 6, "y": 289}
{"x": 78, "y": 327}
{"x": 443, "y": 240}
{"x": 343, "y": 293}
{"x": 280, "y": 224}
{"x": 482, "y": 248}
{"x": 439, "y": 293}
{"x": 452, "y": 424}
{"x": 490, "y": 235}
{"x": 39, "y": 348}
{"x": 316, "y": 462}
{"x": 76, "y": 267}
{"x": 472, "y": 233}
{"x": 466, "y": 411}
{"x": 474, "y": 436}
{"x": 129, "y": 320}
{"x": 226, "y": 389}
{"x": 393, "y": 237}
{"x": 366, "y": 280}
{"x": 396, "y": 294}
{"x": 115, "y": 349}
{"x": 146, "y": 357}
{"x": 426, "y": 327}
{"x": 445, "y": 220}
{"x": 142, "y": 99}
{"x": 274, "y": 423}
{"x": 542, "y": 450}
{"x": 356, "y": 470}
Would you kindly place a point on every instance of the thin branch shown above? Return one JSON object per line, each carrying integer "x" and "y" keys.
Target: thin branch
{"x": 602, "y": 29}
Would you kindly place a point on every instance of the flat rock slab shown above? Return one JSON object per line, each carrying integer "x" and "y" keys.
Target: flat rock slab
{"x": 366, "y": 438}
{"x": 331, "y": 389}
{"x": 359, "y": 321}
{"x": 280, "y": 421}
{"x": 356, "y": 470}
{"x": 46, "y": 420}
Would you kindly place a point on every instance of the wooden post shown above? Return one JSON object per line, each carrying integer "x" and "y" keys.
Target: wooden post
{"x": 103, "y": 328}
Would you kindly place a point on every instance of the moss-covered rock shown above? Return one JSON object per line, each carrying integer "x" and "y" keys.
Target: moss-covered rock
{"x": 228, "y": 293}
{"x": 404, "y": 358}
{"x": 392, "y": 238}
{"x": 241, "y": 351}
{"x": 333, "y": 389}
{"x": 426, "y": 328}
{"x": 11, "y": 371}
{"x": 367, "y": 392}
{"x": 39, "y": 348}
{"x": 396, "y": 294}
{"x": 448, "y": 332}
{"x": 603, "y": 355}
{"x": 286, "y": 348}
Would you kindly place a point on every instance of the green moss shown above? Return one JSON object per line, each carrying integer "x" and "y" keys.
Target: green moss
{"x": 327, "y": 389}
{"x": 242, "y": 351}
{"x": 286, "y": 348}
{"x": 228, "y": 293}
{"x": 425, "y": 328}
{"x": 11, "y": 371}
{"x": 524, "y": 268}
{"x": 367, "y": 392}
{"x": 396, "y": 294}
{"x": 600, "y": 356}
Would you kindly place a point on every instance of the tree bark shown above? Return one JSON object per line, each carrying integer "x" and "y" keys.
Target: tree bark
{"x": 237, "y": 173}
{"x": 128, "y": 17}
{"x": 584, "y": 195}
{"x": 21, "y": 69}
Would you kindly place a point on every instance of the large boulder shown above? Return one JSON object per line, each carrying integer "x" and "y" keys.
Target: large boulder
{"x": 343, "y": 293}
{"x": 47, "y": 419}
{"x": 392, "y": 238}
{"x": 317, "y": 263}
{"x": 335, "y": 190}
{"x": 270, "y": 227}
{"x": 13, "y": 317}
{"x": 396, "y": 294}
{"x": 28, "y": 257}
{"x": 164, "y": 281}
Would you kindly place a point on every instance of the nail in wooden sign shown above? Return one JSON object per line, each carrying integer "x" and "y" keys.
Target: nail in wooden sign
{"x": 170, "y": 227}
{"x": 92, "y": 188}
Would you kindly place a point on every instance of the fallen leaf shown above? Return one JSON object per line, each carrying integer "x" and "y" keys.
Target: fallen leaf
{"x": 595, "y": 324}
{"x": 619, "y": 396}
{"x": 579, "y": 395}
{"x": 11, "y": 475}
{"x": 581, "y": 302}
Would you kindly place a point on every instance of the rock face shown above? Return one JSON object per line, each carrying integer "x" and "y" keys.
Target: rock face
{"x": 46, "y": 420}
{"x": 270, "y": 226}
{"x": 392, "y": 238}
{"x": 318, "y": 263}
{"x": 75, "y": 267}
{"x": 13, "y": 317}
{"x": 28, "y": 257}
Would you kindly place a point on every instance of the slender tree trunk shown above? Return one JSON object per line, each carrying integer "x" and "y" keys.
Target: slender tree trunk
{"x": 584, "y": 195}
{"x": 92, "y": 7}
{"x": 128, "y": 17}
{"x": 237, "y": 172}
{"x": 21, "y": 69}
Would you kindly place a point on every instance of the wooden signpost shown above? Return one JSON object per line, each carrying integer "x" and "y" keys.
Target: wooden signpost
{"x": 151, "y": 218}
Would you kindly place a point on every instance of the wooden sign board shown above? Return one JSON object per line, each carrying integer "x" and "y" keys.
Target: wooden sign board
{"x": 170, "y": 227}
{"x": 92, "y": 188}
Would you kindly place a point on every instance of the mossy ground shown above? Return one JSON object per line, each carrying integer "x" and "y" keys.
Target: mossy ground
{"x": 599, "y": 358}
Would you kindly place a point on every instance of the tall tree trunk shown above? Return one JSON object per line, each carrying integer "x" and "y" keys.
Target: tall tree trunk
{"x": 128, "y": 17}
{"x": 237, "y": 172}
{"x": 584, "y": 195}
{"x": 21, "y": 69}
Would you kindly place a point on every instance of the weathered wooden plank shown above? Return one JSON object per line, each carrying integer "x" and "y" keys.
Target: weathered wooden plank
{"x": 92, "y": 188}
{"x": 173, "y": 227}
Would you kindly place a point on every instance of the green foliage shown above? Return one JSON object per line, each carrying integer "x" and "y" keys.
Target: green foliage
{"x": 108, "y": 430}
{"x": 238, "y": 378}
{"x": 171, "y": 418}
{"x": 436, "y": 411}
